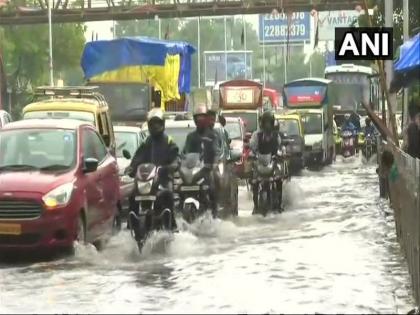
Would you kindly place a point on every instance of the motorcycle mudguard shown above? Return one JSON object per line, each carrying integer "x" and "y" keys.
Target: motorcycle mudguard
{"x": 193, "y": 201}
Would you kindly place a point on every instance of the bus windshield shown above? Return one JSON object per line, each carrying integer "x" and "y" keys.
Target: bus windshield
{"x": 350, "y": 90}
{"x": 312, "y": 123}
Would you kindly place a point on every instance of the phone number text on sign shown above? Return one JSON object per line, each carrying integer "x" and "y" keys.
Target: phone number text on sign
{"x": 274, "y": 28}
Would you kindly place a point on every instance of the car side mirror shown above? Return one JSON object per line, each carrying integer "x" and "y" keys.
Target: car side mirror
{"x": 126, "y": 154}
{"x": 90, "y": 165}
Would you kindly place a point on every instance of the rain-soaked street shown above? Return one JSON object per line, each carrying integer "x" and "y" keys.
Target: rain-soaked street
{"x": 333, "y": 250}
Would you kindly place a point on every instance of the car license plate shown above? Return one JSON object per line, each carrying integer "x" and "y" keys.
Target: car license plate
{"x": 10, "y": 229}
{"x": 145, "y": 198}
{"x": 190, "y": 188}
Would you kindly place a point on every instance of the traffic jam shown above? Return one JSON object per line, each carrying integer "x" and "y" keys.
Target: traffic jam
{"x": 82, "y": 163}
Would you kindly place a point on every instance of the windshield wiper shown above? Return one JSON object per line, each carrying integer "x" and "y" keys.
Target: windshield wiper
{"x": 17, "y": 167}
{"x": 54, "y": 167}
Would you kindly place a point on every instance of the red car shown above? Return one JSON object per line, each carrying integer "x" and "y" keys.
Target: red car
{"x": 58, "y": 184}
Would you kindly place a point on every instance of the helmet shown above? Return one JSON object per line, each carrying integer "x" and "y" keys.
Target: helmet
{"x": 368, "y": 120}
{"x": 201, "y": 117}
{"x": 201, "y": 109}
{"x": 156, "y": 122}
{"x": 267, "y": 121}
{"x": 347, "y": 116}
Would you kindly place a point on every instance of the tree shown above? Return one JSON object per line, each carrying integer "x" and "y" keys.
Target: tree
{"x": 26, "y": 60}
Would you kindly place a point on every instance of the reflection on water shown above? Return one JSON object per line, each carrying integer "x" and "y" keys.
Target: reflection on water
{"x": 333, "y": 250}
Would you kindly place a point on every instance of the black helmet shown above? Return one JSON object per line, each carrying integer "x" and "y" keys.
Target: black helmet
{"x": 368, "y": 120}
{"x": 267, "y": 121}
{"x": 156, "y": 122}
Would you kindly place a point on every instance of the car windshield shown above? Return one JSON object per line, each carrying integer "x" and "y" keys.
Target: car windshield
{"x": 78, "y": 115}
{"x": 250, "y": 119}
{"x": 179, "y": 135}
{"x": 312, "y": 124}
{"x": 126, "y": 141}
{"x": 234, "y": 130}
{"x": 52, "y": 149}
{"x": 289, "y": 127}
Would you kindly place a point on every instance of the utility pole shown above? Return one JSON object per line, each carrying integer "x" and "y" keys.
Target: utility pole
{"x": 389, "y": 71}
{"x": 50, "y": 42}
{"x": 199, "y": 53}
{"x": 226, "y": 69}
{"x": 406, "y": 34}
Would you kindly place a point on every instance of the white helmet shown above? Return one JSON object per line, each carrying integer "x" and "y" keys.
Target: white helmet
{"x": 156, "y": 113}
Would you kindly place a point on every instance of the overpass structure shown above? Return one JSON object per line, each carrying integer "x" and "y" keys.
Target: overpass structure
{"x": 15, "y": 12}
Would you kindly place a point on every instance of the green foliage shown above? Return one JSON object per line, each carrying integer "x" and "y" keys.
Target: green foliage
{"x": 26, "y": 56}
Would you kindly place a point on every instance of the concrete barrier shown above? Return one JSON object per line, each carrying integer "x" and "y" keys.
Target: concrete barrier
{"x": 404, "y": 193}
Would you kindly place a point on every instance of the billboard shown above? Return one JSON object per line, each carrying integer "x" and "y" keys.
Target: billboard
{"x": 273, "y": 28}
{"x": 221, "y": 66}
{"x": 329, "y": 20}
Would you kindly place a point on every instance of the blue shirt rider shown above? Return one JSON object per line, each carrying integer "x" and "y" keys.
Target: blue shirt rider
{"x": 348, "y": 125}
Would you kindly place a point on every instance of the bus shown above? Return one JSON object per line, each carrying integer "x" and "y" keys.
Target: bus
{"x": 354, "y": 85}
{"x": 311, "y": 99}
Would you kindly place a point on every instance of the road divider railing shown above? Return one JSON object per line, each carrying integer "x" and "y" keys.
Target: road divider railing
{"x": 403, "y": 187}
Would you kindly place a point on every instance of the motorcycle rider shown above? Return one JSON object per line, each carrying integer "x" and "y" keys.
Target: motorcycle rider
{"x": 369, "y": 128}
{"x": 161, "y": 150}
{"x": 265, "y": 141}
{"x": 347, "y": 124}
{"x": 203, "y": 140}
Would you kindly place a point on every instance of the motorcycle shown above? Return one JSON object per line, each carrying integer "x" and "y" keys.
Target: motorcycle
{"x": 369, "y": 147}
{"x": 347, "y": 144}
{"x": 152, "y": 213}
{"x": 192, "y": 187}
{"x": 268, "y": 171}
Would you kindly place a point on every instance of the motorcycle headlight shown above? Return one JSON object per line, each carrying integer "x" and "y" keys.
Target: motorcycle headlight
{"x": 59, "y": 196}
{"x": 195, "y": 170}
{"x": 144, "y": 187}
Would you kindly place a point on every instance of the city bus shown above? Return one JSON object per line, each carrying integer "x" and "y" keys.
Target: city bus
{"x": 311, "y": 99}
{"x": 354, "y": 85}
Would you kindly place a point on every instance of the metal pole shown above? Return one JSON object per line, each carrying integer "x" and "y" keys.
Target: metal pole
{"x": 160, "y": 28}
{"x": 285, "y": 63}
{"x": 392, "y": 107}
{"x": 225, "y": 49}
{"x": 246, "y": 54}
{"x": 50, "y": 42}
{"x": 263, "y": 51}
{"x": 406, "y": 34}
{"x": 198, "y": 53}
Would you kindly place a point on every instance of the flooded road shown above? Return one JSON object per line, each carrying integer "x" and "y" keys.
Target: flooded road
{"x": 333, "y": 250}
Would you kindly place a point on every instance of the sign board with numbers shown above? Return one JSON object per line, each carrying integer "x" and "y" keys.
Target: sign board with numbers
{"x": 273, "y": 28}
{"x": 240, "y": 94}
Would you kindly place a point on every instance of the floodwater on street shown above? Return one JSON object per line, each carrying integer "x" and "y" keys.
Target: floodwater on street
{"x": 333, "y": 250}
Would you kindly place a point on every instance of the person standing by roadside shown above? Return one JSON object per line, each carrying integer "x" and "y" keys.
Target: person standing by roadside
{"x": 412, "y": 133}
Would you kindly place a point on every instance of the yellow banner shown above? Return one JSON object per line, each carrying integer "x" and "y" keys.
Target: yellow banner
{"x": 163, "y": 78}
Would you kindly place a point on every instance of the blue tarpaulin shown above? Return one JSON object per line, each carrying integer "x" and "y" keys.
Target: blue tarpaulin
{"x": 409, "y": 55}
{"x": 104, "y": 56}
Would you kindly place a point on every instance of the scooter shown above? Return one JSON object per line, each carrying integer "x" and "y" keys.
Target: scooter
{"x": 370, "y": 146}
{"x": 153, "y": 211}
{"x": 192, "y": 187}
{"x": 347, "y": 143}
